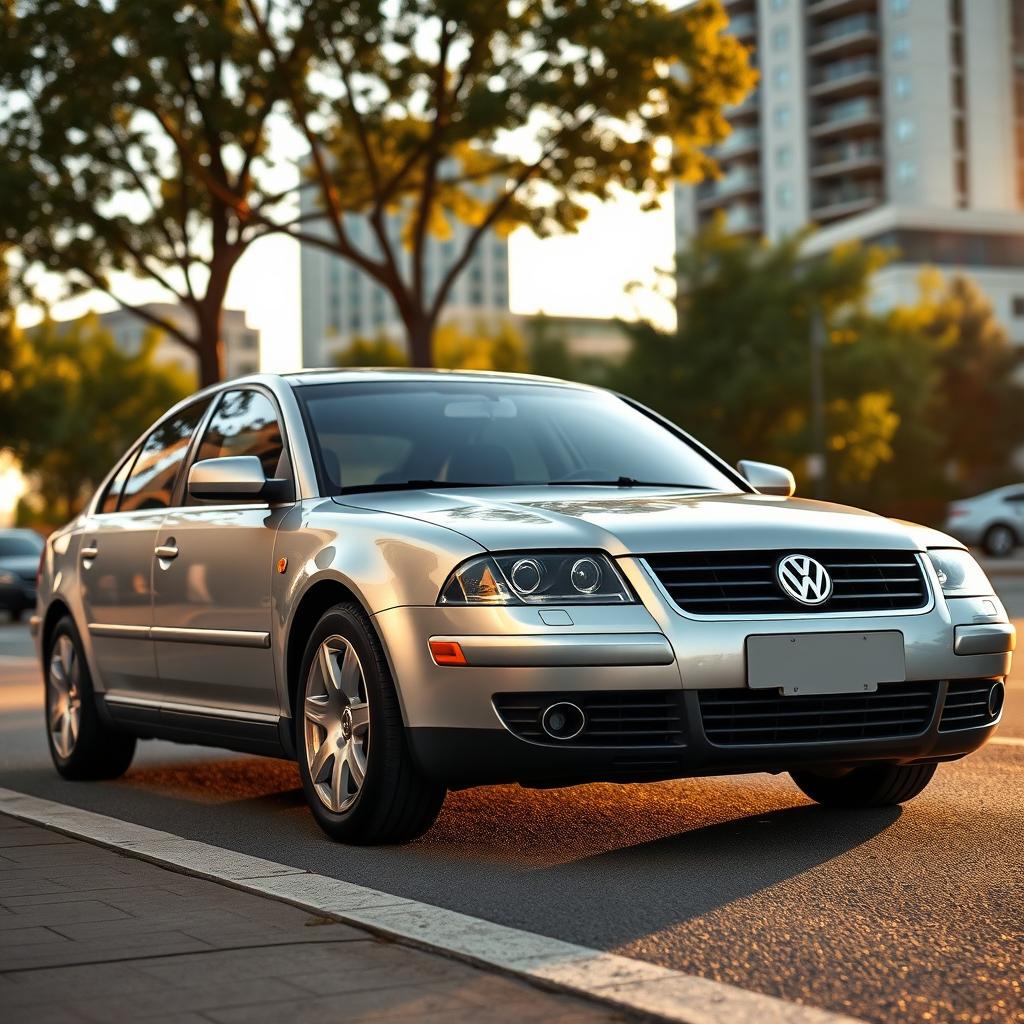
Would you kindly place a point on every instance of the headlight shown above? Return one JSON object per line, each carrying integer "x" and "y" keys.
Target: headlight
{"x": 7, "y": 578}
{"x": 959, "y": 574}
{"x": 566, "y": 577}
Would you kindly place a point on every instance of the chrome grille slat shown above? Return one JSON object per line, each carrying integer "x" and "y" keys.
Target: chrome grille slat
{"x": 743, "y": 582}
{"x": 966, "y": 705}
{"x": 752, "y": 718}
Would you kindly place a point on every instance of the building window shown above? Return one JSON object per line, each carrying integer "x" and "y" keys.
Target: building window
{"x": 1018, "y": 306}
{"x": 900, "y": 44}
{"x": 904, "y": 129}
{"x": 901, "y": 87}
{"x": 899, "y": 6}
{"x": 784, "y": 196}
{"x": 906, "y": 172}
{"x": 779, "y": 5}
{"x": 783, "y": 157}
{"x": 782, "y": 76}
{"x": 783, "y": 116}
{"x": 780, "y": 38}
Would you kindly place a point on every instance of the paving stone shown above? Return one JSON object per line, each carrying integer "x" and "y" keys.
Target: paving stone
{"x": 91, "y": 936}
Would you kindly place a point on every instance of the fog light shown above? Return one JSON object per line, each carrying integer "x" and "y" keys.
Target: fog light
{"x": 563, "y": 721}
{"x": 996, "y": 696}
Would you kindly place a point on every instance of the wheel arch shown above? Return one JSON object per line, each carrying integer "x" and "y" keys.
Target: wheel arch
{"x": 323, "y": 594}
{"x": 57, "y": 610}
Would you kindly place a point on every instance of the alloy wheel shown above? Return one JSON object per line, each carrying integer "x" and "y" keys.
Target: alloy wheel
{"x": 64, "y": 703}
{"x": 337, "y": 724}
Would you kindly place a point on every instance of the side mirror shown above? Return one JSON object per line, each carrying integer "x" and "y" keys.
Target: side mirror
{"x": 234, "y": 478}
{"x": 766, "y": 478}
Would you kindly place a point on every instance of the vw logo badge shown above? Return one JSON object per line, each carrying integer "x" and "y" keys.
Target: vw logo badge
{"x": 804, "y": 579}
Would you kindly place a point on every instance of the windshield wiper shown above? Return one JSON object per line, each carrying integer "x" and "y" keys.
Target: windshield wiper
{"x": 414, "y": 485}
{"x": 625, "y": 481}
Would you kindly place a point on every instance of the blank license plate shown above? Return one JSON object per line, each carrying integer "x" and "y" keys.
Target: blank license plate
{"x": 814, "y": 663}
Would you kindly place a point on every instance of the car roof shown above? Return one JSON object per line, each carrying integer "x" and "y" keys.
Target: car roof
{"x": 336, "y": 375}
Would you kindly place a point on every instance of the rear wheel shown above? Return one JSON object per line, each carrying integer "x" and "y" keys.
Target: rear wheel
{"x": 999, "y": 541}
{"x": 875, "y": 785}
{"x": 81, "y": 745}
{"x": 357, "y": 772}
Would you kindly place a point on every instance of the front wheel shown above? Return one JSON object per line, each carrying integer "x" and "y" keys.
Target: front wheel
{"x": 357, "y": 772}
{"x": 875, "y": 785}
{"x": 81, "y": 745}
{"x": 999, "y": 541}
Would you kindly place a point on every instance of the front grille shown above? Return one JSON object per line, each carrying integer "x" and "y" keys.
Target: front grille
{"x": 744, "y": 583}
{"x": 966, "y": 705}
{"x": 755, "y": 718}
{"x": 634, "y": 718}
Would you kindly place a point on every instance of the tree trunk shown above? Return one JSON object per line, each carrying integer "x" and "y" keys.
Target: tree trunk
{"x": 421, "y": 341}
{"x": 211, "y": 345}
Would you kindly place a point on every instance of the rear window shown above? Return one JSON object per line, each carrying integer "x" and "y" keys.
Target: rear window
{"x": 20, "y": 545}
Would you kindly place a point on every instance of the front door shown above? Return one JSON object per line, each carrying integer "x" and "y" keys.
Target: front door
{"x": 116, "y": 557}
{"x": 212, "y": 575}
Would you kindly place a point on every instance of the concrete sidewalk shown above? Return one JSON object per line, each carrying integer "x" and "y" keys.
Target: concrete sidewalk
{"x": 87, "y": 934}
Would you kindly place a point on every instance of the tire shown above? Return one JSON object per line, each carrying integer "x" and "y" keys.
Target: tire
{"x": 81, "y": 744}
{"x": 357, "y": 771}
{"x": 875, "y": 785}
{"x": 999, "y": 540}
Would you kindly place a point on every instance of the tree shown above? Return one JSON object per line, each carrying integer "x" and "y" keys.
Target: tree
{"x": 979, "y": 407}
{"x": 134, "y": 137}
{"x": 737, "y": 370}
{"x": 501, "y": 348}
{"x": 493, "y": 115}
{"x": 74, "y": 403}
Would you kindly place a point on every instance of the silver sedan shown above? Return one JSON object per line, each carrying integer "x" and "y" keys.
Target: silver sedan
{"x": 415, "y": 581}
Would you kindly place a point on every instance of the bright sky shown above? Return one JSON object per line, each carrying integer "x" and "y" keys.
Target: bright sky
{"x": 584, "y": 274}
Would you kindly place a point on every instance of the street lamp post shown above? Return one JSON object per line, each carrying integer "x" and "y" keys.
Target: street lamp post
{"x": 817, "y": 463}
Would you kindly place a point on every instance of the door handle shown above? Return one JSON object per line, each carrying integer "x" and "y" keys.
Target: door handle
{"x": 166, "y": 551}
{"x": 89, "y": 553}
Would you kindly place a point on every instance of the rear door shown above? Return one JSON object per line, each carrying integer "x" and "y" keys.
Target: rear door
{"x": 116, "y": 555}
{"x": 212, "y": 609}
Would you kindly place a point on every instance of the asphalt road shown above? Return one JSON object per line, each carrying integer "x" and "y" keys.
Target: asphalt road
{"x": 914, "y": 914}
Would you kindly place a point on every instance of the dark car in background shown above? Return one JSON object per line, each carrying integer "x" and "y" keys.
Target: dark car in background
{"x": 19, "y": 560}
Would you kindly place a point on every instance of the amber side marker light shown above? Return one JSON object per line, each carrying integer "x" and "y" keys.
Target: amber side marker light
{"x": 446, "y": 652}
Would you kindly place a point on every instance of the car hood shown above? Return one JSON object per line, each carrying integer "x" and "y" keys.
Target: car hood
{"x": 644, "y": 521}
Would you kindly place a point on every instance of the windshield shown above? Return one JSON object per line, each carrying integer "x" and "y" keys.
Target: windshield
{"x": 15, "y": 545}
{"x": 392, "y": 434}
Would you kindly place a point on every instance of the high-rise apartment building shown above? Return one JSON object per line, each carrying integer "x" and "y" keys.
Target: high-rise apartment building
{"x": 897, "y": 122}
{"x": 341, "y": 303}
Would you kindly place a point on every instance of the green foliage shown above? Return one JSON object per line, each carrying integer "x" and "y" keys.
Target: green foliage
{"x": 920, "y": 401}
{"x": 499, "y": 347}
{"x": 134, "y": 138}
{"x": 73, "y": 403}
{"x": 495, "y": 115}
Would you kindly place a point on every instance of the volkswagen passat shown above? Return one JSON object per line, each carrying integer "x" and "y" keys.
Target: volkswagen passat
{"x": 415, "y": 581}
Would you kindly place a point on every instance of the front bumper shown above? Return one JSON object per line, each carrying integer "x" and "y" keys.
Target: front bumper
{"x": 459, "y": 736}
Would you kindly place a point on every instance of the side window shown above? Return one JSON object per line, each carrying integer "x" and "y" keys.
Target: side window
{"x": 112, "y": 495}
{"x": 245, "y": 423}
{"x": 152, "y": 479}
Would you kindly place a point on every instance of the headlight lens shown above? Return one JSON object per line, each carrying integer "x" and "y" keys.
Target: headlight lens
{"x": 959, "y": 574}
{"x": 573, "y": 577}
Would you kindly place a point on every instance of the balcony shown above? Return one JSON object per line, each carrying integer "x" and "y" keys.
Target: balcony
{"x": 847, "y": 157}
{"x": 743, "y": 218}
{"x": 848, "y": 115}
{"x": 832, "y": 8}
{"x": 744, "y": 181}
{"x": 845, "y": 200}
{"x": 743, "y": 25}
{"x": 855, "y": 33}
{"x": 741, "y": 142}
{"x": 846, "y": 76}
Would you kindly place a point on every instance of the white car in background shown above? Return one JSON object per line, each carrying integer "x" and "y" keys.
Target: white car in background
{"x": 993, "y": 521}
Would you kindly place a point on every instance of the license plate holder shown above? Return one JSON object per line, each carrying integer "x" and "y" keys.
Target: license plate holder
{"x": 807, "y": 664}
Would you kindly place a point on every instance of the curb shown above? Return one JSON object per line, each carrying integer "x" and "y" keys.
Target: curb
{"x": 646, "y": 989}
